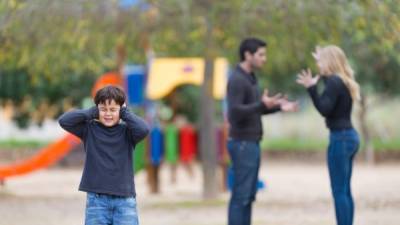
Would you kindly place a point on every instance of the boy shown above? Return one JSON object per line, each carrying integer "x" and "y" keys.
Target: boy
{"x": 108, "y": 173}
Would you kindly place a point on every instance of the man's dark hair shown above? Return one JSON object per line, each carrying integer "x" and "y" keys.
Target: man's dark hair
{"x": 109, "y": 93}
{"x": 250, "y": 45}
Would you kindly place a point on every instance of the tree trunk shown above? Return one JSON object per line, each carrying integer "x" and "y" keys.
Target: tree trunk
{"x": 368, "y": 148}
{"x": 207, "y": 131}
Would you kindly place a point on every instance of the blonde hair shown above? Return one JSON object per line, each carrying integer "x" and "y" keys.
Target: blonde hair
{"x": 336, "y": 63}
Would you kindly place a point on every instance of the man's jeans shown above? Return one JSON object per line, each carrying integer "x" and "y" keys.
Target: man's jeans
{"x": 343, "y": 145}
{"x": 103, "y": 209}
{"x": 245, "y": 156}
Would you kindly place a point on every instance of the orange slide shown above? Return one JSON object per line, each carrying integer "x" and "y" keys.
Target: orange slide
{"x": 44, "y": 158}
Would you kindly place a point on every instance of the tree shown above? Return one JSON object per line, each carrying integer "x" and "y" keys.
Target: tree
{"x": 42, "y": 59}
{"x": 372, "y": 39}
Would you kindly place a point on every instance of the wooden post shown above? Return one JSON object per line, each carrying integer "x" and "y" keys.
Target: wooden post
{"x": 207, "y": 134}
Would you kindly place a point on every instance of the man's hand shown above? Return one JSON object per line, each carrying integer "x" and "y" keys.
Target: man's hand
{"x": 288, "y": 106}
{"x": 306, "y": 79}
{"x": 270, "y": 102}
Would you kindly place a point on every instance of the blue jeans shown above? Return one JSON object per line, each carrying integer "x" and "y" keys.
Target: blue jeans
{"x": 343, "y": 146}
{"x": 103, "y": 209}
{"x": 245, "y": 156}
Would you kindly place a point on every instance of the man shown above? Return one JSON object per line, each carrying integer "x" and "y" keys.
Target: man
{"x": 246, "y": 105}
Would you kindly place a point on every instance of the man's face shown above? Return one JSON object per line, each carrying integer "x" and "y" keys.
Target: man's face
{"x": 109, "y": 113}
{"x": 259, "y": 58}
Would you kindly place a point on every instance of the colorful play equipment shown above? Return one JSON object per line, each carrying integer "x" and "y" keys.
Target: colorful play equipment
{"x": 156, "y": 145}
{"x": 44, "y": 158}
{"x": 111, "y": 78}
{"x": 188, "y": 143}
{"x": 167, "y": 73}
{"x": 170, "y": 143}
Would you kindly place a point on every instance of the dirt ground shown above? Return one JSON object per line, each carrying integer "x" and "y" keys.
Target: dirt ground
{"x": 296, "y": 193}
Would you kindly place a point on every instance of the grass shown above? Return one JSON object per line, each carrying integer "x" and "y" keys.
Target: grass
{"x": 281, "y": 144}
{"x": 293, "y": 144}
{"x": 320, "y": 145}
{"x": 391, "y": 145}
{"x": 12, "y": 144}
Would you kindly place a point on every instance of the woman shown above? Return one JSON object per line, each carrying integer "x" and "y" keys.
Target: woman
{"x": 335, "y": 104}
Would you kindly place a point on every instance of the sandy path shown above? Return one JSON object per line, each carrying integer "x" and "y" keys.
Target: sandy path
{"x": 296, "y": 193}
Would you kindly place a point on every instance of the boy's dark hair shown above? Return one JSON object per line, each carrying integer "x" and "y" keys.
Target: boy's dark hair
{"x": 109, "y": 93}
{"x": 250, "y": 45}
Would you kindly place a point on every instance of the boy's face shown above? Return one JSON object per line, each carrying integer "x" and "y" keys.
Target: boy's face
{"x": 109, "y": 113}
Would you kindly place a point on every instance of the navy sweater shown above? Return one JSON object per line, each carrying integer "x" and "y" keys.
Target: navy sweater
{"x": 108, "y": 164}
{"x": 335, "y": 103}
{"x": 245, "y": 107}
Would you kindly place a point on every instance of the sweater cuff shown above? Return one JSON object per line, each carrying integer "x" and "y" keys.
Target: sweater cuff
{"x": 93, "y": 113}
{"x": 123, "y": 112}
{"x": 277, "y": 108}
{"x": 264, "y": 108}
{"x": 312, "y": 88}
{"x": 261, "y": 107}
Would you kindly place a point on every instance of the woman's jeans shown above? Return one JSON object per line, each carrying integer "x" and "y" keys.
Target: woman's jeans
{"x": 343, "y": 145}
{"x": 245, "y": 156}
{"x": 103, "y": 209}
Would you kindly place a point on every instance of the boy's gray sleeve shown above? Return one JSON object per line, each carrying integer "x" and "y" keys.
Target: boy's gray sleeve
{"x": 75, "y": 121}
{"x": 137, "y": 127}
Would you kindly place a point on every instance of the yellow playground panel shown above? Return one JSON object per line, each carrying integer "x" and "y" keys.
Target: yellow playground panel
{"x": 167, "y": 73}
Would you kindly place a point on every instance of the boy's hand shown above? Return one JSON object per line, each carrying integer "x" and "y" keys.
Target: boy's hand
{"x": 123, "y": 111}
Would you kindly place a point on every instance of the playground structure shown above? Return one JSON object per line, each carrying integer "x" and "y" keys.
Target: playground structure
{"x": 170, "y": 144}
{"x": 44, "y": 158}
